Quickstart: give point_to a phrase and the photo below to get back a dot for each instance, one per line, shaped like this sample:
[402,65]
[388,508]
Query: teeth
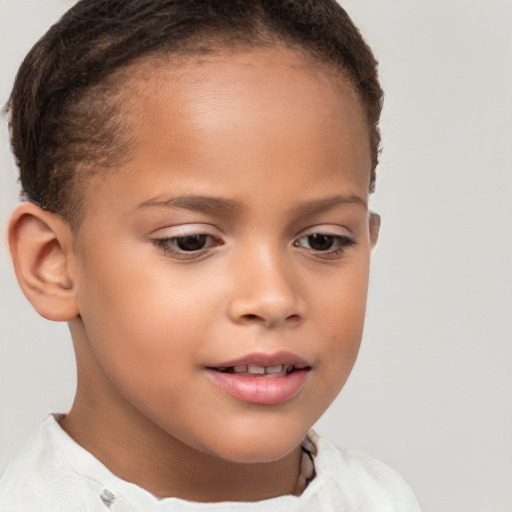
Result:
[274,369]
[252,368]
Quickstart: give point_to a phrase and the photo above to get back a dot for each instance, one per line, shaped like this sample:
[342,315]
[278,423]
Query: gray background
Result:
[431,392]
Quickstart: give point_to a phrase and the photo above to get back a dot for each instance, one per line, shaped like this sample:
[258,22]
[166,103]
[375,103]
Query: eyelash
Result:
[168,246]
[341,242]
[171,245]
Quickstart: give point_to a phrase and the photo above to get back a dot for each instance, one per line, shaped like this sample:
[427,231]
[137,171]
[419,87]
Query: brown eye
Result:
[191,243]
[325,245]
[191,246]
[320,242]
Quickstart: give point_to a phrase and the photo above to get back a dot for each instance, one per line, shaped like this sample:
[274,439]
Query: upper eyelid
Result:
[214,240]
[349,240]
[326,229]
[188,229]
[180,230]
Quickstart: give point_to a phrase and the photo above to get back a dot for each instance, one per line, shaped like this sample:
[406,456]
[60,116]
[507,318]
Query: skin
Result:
[282,143]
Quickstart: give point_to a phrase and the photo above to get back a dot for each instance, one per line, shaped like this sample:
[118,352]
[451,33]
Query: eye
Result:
[325,245]
[188,246]
[190,243]
[318,242]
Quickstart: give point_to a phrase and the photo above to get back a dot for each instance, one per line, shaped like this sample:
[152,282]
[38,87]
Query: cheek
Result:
[342,314]
[344,302]
[134,316]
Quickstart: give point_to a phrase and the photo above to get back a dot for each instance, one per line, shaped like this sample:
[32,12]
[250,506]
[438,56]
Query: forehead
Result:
[250,82]
[239,116]
[272,89]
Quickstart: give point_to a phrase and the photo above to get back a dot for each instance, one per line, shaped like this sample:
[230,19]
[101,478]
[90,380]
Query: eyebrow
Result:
[217,205]
[317,206]
[205,204]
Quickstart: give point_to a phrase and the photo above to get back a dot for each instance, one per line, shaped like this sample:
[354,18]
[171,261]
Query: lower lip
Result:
[260,390]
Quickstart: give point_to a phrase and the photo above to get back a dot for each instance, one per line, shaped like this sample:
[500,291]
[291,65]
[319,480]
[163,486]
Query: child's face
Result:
[238,230]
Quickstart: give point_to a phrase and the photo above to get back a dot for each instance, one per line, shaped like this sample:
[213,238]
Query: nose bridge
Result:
[267,290]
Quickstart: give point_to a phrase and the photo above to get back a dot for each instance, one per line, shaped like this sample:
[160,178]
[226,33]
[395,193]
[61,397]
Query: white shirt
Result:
[55,474]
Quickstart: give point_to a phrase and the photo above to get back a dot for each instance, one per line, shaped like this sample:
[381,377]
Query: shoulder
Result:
[362,481]
[40,479]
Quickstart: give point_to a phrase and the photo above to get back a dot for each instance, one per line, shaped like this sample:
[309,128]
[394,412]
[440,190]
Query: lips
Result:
[263,379]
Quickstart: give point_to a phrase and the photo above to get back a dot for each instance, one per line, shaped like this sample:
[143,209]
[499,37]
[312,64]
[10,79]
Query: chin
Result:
[258,448]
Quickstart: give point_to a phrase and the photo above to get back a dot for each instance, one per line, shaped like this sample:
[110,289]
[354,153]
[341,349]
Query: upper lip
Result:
[262,359]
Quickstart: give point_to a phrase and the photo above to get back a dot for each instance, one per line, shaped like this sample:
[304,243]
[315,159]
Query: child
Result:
[197,176]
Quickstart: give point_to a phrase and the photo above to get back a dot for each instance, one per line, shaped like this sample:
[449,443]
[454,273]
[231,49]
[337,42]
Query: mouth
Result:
[280,364]
[261,379]
[254,370]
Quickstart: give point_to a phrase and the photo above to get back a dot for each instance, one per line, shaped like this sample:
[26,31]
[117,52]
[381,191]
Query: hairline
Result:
[144,66]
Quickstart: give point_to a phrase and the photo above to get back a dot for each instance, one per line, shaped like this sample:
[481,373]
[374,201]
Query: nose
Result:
[266,292]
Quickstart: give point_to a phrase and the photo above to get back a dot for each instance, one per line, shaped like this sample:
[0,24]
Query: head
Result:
[197,176]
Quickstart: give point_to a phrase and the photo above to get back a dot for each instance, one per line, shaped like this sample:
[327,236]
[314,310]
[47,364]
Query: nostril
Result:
[251,317]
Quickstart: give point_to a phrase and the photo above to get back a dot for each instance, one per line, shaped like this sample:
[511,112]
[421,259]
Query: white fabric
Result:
[55,474]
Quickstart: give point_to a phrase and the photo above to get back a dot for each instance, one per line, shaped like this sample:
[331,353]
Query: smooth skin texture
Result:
[258,152]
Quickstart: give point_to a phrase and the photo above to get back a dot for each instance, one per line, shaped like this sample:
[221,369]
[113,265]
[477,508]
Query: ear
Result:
[374,224]
[41,249]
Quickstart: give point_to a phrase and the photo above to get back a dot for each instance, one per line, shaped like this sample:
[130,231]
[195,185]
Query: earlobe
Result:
[374,221]
[41,249]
